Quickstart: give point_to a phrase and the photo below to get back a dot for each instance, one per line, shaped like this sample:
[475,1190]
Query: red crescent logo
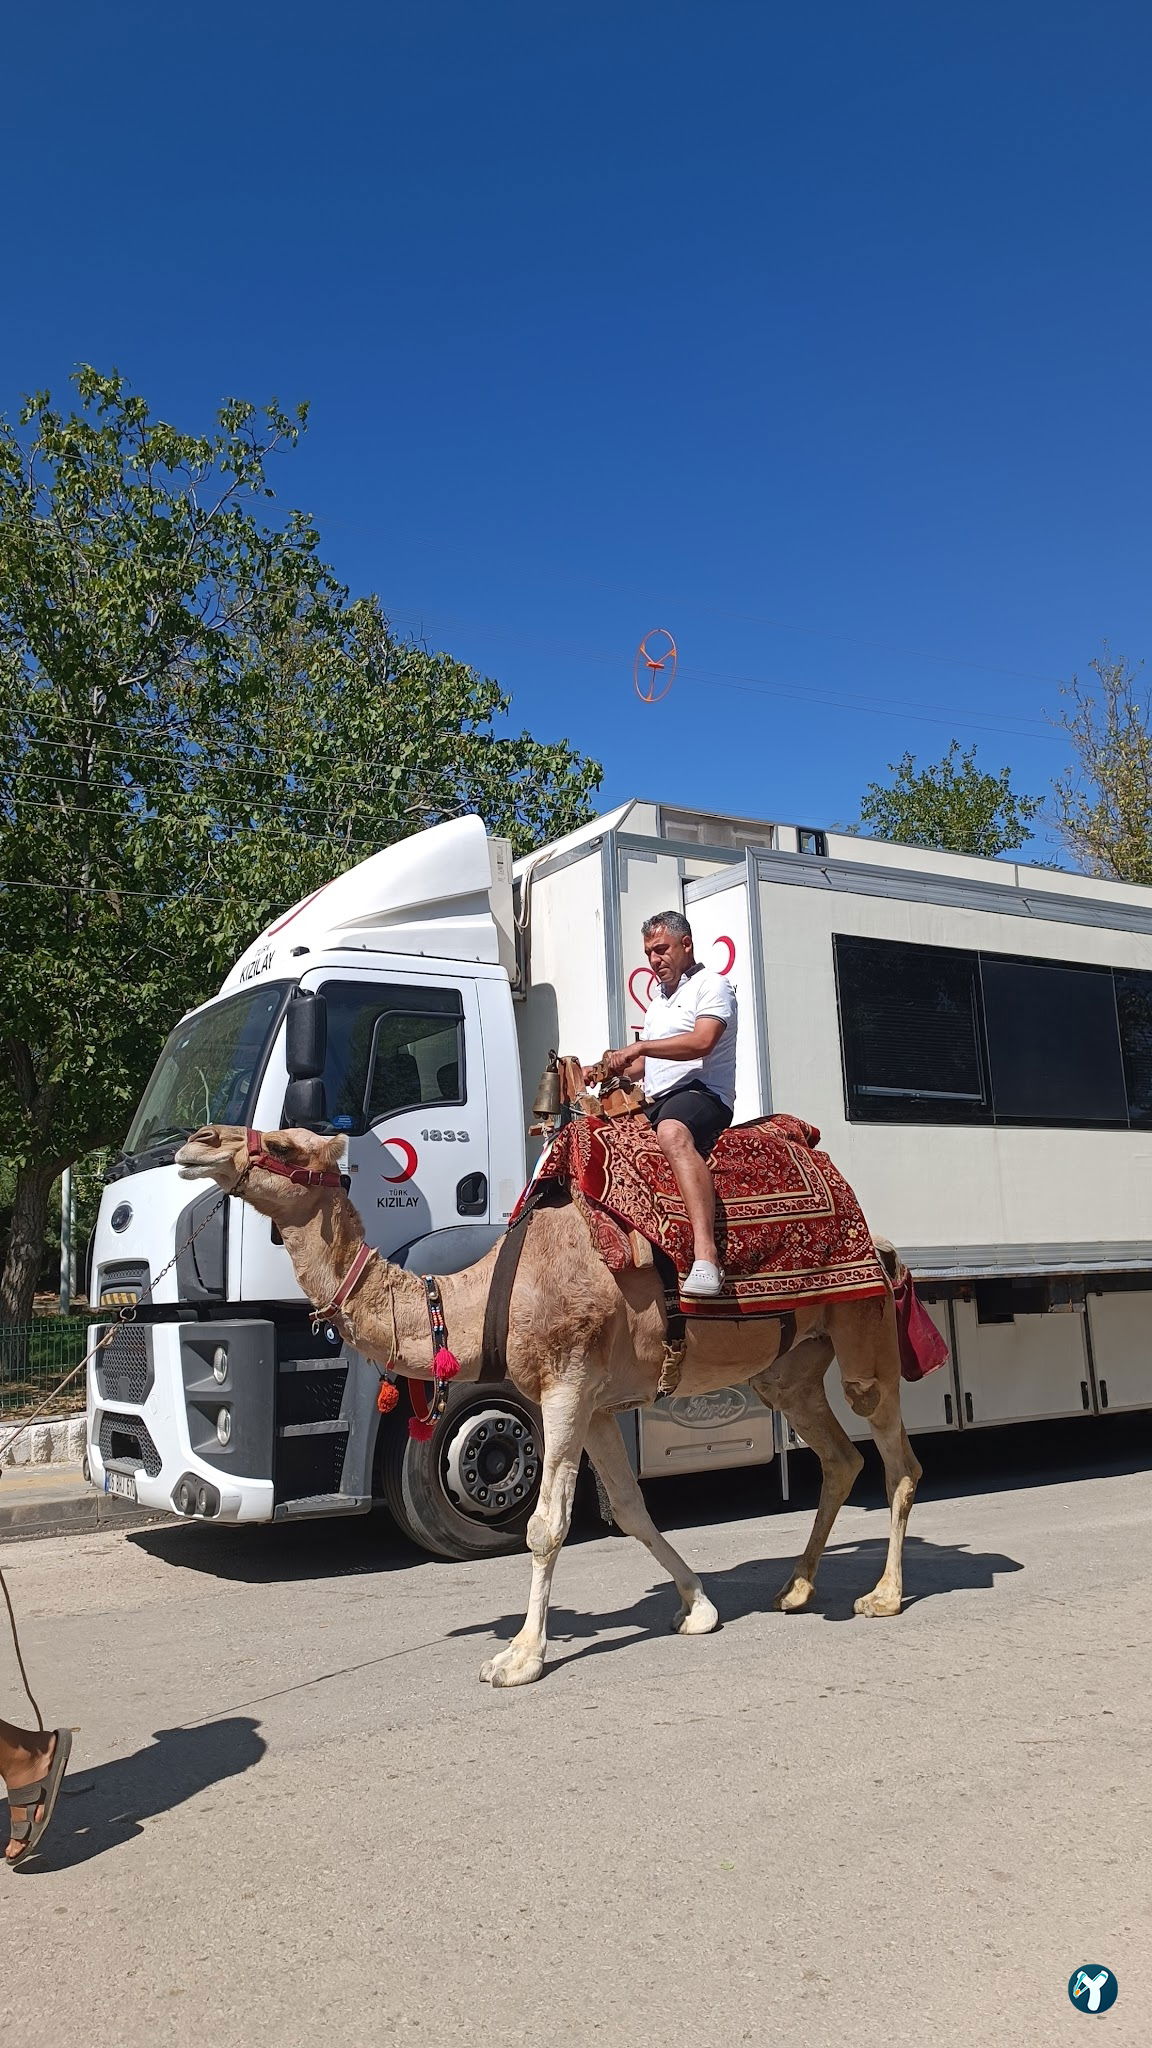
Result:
[730,963]
[410,1159]
[641,974]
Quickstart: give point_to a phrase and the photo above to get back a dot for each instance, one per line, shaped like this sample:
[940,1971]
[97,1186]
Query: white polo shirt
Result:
[702,994]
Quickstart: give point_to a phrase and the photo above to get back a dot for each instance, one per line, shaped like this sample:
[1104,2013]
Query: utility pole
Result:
[66,1234]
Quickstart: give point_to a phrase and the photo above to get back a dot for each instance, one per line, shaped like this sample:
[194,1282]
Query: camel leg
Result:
[902,1472]
[864,1335]
[840,1462]
[565,1418]
[697,1616]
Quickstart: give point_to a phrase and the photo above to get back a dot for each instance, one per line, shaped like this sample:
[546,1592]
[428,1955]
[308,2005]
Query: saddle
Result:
[790,1230]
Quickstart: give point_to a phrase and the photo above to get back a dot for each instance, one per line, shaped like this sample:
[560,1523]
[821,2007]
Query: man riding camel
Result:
[691,1082]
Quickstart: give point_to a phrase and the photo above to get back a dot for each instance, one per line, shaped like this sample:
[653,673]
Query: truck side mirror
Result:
[304,1104]
[306,1036]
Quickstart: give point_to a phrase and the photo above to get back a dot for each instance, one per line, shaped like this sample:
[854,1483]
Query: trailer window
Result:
[1134,1010]
[931,1034]
[390,1048]
[910,1025]
[1053,1043]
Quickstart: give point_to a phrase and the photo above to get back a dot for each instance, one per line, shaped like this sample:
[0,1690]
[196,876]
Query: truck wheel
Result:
[470,1490]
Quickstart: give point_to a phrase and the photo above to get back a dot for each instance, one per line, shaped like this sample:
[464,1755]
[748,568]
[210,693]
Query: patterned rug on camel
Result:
[789,1228]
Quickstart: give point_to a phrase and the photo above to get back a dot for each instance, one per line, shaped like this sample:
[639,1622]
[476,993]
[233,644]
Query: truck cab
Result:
[381,1010]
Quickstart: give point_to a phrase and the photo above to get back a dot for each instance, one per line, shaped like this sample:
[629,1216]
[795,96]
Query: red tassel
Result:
[420,1431]
[387,1397]
[445,1365]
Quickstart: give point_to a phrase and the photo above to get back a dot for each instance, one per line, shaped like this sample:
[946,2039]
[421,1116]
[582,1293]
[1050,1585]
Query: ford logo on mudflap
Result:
[707,1411]
[122,1216]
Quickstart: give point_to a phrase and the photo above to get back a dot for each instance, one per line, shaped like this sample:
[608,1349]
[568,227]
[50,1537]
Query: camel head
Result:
[282,1173]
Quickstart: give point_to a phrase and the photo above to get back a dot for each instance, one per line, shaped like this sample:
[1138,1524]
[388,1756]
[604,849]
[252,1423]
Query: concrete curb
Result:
[63,1504]
[46,1443]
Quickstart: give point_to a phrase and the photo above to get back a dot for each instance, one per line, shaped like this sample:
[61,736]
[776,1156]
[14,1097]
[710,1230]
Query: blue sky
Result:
[820,337]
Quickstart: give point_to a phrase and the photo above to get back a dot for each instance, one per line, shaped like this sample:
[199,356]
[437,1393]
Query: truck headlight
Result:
[224,1425]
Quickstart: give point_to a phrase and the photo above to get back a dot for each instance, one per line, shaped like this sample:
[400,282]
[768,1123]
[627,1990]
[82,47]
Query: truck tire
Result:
[470,1490]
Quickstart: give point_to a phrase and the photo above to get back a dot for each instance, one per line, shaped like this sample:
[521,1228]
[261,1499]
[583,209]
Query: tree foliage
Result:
[950,805]
[198,725]
[1104,802]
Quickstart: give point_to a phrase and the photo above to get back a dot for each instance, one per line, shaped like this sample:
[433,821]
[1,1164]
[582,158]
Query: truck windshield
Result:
[207,1070]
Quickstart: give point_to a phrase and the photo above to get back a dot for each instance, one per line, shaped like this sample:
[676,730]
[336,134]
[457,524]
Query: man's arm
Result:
[687,1045]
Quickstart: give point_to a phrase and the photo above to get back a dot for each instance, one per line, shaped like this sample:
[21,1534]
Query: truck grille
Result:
[124,1440]
[124,1366]
[122,1283]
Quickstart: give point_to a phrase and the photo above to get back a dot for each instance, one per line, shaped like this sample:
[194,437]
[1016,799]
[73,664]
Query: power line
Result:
[1025,726]
[807,631]
[262,825]
[188,894]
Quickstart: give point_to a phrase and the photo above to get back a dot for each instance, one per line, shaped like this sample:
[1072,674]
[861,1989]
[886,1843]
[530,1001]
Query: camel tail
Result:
[891,1261]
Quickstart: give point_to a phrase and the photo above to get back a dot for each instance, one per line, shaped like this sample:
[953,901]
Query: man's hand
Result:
[620,1064]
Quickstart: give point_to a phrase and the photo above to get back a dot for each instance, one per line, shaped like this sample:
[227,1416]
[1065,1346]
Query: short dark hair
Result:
[673,922]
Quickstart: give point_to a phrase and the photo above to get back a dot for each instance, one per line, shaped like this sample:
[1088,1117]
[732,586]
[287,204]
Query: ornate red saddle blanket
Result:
[789,1227]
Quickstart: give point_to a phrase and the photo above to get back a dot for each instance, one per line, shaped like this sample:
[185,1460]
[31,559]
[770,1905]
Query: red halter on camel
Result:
[445,1365]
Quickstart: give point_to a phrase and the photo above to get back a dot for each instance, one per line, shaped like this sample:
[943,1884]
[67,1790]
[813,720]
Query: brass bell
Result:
[547,1102]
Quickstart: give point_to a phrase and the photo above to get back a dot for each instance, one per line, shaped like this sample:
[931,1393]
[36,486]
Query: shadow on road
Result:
[849,1569]
[104,1808]
[955,1467]
[274,1553]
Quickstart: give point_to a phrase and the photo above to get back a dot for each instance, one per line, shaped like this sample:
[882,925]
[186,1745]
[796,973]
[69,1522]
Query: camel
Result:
[582,1343]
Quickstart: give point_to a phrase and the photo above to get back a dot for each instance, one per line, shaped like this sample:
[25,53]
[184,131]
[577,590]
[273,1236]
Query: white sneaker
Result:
[703,1282]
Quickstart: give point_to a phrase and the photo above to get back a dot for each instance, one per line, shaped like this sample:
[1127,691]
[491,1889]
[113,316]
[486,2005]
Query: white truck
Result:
[973,1037]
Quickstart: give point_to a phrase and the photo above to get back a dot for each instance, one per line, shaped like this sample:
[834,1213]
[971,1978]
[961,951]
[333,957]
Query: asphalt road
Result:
[294,1814]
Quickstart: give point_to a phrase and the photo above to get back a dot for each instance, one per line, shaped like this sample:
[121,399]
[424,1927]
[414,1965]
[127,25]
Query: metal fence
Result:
[35,1355]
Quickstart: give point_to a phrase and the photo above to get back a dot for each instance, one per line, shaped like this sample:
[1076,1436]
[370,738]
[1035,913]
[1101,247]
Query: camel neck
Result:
[387,1315]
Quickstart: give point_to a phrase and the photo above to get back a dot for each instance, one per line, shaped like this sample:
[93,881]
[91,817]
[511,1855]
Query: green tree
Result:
[198,725]
[950,805]
[1104,801]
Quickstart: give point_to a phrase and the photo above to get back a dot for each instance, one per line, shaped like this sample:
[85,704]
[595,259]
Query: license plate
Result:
[121,1483]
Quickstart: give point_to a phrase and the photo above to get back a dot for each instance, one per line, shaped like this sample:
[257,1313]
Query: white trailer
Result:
[973,1037]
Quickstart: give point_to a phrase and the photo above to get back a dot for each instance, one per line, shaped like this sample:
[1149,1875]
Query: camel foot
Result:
[513,1666]
[794,1596]
[697,1619]
[881,1600]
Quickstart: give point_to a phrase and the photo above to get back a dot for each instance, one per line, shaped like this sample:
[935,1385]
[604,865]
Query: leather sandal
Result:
[44,1792]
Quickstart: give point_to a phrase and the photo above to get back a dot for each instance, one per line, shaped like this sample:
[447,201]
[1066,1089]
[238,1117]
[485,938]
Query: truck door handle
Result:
[472,1194]
[1103,1384]
[948,1409]
[968,1406]
[1085,1396]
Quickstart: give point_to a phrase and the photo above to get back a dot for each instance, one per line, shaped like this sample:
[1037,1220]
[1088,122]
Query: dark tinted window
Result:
[910,1019]
[1134,1009]
[390,1048]
[1053,1043]
[932,1034]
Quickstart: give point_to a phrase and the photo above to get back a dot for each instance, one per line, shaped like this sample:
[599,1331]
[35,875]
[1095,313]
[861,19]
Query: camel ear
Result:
[329,1155]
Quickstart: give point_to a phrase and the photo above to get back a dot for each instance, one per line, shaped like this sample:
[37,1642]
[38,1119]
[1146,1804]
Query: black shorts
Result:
[691,1103]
